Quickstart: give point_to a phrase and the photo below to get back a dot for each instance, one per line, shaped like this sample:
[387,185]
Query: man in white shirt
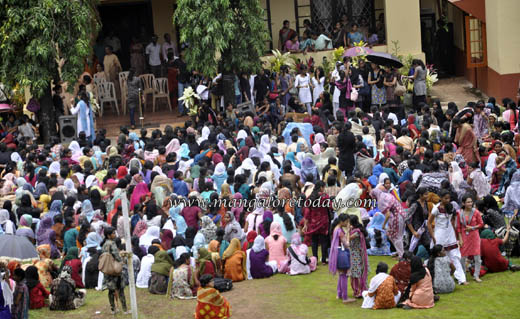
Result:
[168,44]
[153,55]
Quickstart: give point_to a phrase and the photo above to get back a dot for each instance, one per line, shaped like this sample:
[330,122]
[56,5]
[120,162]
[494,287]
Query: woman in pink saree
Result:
[139,190]
[394,217]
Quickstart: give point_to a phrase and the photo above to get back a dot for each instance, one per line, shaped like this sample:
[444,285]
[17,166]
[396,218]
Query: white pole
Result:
[128,243]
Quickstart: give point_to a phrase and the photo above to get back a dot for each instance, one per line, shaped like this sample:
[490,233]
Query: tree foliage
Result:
[229,32]
[35,35]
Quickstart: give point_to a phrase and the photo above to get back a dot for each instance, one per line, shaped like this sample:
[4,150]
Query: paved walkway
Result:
[456,90]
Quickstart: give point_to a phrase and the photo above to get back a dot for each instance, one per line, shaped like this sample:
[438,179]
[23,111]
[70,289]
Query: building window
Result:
[323,14]
[476,46]
[266,4]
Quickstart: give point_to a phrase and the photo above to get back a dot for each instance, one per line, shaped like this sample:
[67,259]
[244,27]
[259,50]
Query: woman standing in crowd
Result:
[419,83]
[469,222]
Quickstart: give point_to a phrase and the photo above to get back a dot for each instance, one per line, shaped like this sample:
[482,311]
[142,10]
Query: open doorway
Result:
[126,20]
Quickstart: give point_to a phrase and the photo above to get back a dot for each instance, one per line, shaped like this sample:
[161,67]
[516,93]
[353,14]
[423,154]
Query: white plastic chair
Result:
[97,81]
[161,91]
[123,77]
[148,85]
[107,94]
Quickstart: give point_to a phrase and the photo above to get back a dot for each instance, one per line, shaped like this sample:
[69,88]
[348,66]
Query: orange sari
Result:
[210,305]
[235,262]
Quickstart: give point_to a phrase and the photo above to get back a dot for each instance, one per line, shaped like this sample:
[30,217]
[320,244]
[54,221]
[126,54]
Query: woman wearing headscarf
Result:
[275,244]
[91,276]
[76,151]
[93,240]
[6,225]
[139,190]
[390,147]
[150,234]
[180,223]
[219,176]
[72,260]
[45,235]
[87,210]
[379,245]
[318,139]
[299,263]
[265,226]
[69,239]
[394,217]
[140,228]
[160,272]
[421,288]
[204,264]
[64,295]
[145,271]
[55,209]
[233,228]
[235,262]
[309,171]
[208,229]
[25,229]
[258,263]
[166,239]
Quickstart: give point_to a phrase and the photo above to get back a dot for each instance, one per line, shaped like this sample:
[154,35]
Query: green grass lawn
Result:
[314,296]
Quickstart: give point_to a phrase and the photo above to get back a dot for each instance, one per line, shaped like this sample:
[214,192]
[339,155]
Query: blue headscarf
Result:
[55,208]
[377,221]
[180,223]
[87,210]
[291,156]
[93,240]
[184,151]
[138,144]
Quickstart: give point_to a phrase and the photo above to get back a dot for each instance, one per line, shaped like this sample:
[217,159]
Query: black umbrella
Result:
[385,59]
[19,247]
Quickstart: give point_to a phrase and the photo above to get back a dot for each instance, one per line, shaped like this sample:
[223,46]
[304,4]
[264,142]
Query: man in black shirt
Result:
[262,85]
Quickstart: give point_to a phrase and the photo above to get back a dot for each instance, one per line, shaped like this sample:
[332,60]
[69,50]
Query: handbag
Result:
[399,90]
[365,89]
[109,266]
[343,258]
[354,94]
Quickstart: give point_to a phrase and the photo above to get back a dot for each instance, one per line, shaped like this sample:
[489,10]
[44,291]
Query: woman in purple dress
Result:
[260,266]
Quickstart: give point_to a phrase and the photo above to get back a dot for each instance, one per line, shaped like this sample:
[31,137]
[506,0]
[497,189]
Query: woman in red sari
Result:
[467,141]
[414,132]
[316,220]
[210,303]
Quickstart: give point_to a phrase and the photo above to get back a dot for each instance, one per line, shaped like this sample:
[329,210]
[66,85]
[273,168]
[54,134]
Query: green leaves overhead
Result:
[36,34]
[217,33]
